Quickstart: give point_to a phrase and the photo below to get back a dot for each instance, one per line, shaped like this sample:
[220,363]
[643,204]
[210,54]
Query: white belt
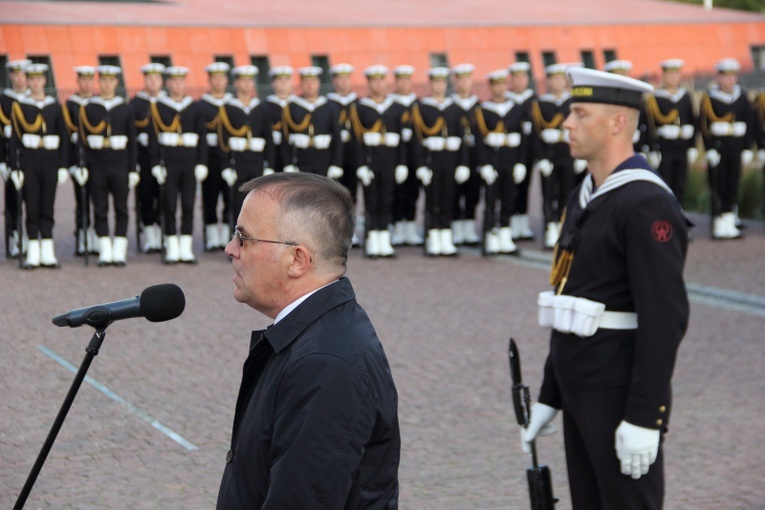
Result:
[580,316]
[321,142]
[240,144]
[553,136]
[737,129]
[48,142]
[497,140]
[668,132]
[377,139]
[143,139]
[439,143]
[687,131]
[178,139]
[116,142]
[212,139]
[7,131]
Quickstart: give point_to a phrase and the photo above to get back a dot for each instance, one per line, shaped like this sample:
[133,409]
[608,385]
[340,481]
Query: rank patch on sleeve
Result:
[662,231]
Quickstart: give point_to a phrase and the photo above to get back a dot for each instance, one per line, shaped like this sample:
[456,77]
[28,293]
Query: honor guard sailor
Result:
[672,126]
[281,86]
[108,141]
[244,131]
[405,195]
[441,159]
[15,240]
[178,152]
[556,166]
[216,233]
[311,130]
[342,97]
[39,158]
[85,236]
[524,96]
[619,307]
[502,148]
[148,189]
[725,121]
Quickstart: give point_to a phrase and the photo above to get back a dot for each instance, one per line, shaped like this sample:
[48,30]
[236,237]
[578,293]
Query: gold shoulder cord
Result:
[480,121]
[406,116]
[5,121]
[20,122]
[655,115]
[292,127]
[562,260]
[68,119]
[708,115]
[213,124]
[358,127]
[91,129]
[225,121]
[761,109]
[140,124]
[161,127]
[541,122]
[423,130]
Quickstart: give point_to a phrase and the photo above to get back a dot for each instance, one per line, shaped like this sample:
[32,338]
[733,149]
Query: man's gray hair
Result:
[314,211]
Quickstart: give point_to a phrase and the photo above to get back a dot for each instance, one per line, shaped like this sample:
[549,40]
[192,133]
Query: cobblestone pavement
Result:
[445,325]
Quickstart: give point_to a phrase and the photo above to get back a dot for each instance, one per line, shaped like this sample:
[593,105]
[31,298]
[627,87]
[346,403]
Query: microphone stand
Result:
[91,352]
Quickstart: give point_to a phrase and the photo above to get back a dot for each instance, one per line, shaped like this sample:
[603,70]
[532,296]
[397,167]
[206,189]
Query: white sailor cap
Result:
[403,70]
[500,75]
[618,65]
[573,64]
[248,71]
[17,65]
[278,71]
[672,64]
[727,66]
[217,67]
[554,69]
[176,71]
[310,72]
[439,73]
[462,69]
[152,68]
[591,86]
[519,67]
[36,69]
[376,71]
[341,69]
[85,70]
[109,70]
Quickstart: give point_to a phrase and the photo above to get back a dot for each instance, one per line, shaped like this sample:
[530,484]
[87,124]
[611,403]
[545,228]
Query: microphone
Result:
[157,303]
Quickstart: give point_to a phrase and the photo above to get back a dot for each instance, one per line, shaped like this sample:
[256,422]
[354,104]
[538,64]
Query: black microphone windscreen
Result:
[163,302]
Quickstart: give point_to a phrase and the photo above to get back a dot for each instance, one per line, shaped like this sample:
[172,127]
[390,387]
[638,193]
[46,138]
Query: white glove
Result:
[713,157]
[229,176]
[654,158]
[461,174]
[17,177]
[63,176]
[580,165]
[425,175]
[133,179]
[519,173]
[693,155]
[291,169]
[747,156]
[488,174]
[365,175]
[539,425]
[402,172]
[334,172]
[636,448]
[269,171]
[79,174]
[159,173]
[200,173]
[545,167]
[761,155]
[4,171]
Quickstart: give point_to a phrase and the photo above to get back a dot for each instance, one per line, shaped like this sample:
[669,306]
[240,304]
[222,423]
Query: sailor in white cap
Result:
[178,154]
[281,87]
[522,95]
[441,159]
[726,124]
[246,137]
[377,125]
[311,129]
[622,67]
[672,127]
[148,189]
[39,154]
[405,195]
[108,140]
[618,267]
[15,241]
[341,98]
[501,145]
[555,164]
[464,230]
[71,112]
[214,189]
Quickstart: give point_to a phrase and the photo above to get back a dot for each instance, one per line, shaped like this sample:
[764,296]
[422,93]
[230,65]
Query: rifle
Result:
[84,216]
[19,214]
[540,481]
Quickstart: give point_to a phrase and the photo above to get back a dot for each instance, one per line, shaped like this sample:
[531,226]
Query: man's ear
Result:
[300,263]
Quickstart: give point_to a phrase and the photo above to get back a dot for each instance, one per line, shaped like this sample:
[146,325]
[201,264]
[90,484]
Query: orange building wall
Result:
[488,48]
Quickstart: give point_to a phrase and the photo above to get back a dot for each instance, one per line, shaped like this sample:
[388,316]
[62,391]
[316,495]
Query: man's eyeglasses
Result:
[242,239]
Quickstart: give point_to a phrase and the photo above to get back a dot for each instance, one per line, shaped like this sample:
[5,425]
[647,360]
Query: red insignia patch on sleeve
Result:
[662,231]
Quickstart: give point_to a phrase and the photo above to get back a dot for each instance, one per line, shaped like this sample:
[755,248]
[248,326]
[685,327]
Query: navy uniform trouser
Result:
[40,168]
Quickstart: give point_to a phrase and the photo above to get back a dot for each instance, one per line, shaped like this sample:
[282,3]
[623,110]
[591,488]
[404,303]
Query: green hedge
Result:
[750,195]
